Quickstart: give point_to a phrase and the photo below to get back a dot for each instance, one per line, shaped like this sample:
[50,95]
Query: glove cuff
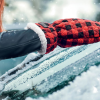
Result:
[41,35]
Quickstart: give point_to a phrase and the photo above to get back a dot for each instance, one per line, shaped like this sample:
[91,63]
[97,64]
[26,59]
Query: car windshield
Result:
[63,74]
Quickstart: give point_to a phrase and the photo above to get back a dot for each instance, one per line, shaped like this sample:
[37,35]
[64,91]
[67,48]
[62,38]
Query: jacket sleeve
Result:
[18,43]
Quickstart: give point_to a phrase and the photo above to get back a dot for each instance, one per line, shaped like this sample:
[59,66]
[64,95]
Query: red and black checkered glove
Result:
[73,32]
[68,33]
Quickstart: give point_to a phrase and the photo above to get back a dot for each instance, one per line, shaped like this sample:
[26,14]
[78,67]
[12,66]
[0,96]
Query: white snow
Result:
[33,77]
[84,87]
[21,79]
[28,98]
[30,57]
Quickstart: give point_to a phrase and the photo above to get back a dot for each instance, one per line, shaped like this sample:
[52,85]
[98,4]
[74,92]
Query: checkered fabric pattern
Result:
[50,34]
[70,32]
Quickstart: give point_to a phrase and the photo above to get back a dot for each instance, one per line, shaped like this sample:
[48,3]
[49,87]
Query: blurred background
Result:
[17,13]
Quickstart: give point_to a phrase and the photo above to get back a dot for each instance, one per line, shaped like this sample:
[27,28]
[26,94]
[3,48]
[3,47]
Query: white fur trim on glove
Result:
[41,35]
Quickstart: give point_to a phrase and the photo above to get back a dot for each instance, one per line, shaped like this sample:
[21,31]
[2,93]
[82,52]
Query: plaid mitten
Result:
[66,33]
[73,32]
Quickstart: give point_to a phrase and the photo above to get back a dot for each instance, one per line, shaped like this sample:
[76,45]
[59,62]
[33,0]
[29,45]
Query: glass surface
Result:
[83,77]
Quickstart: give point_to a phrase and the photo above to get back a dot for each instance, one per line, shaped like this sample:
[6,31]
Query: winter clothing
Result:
[44,37]
[69,32]
[18,43]
[41,35]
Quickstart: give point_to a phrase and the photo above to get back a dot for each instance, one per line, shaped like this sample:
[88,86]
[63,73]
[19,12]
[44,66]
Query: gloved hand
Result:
[66,33]
[47,35]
